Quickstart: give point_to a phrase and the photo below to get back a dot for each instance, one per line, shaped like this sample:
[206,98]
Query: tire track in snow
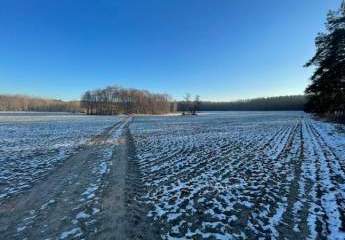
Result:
[66,209]
[331,192]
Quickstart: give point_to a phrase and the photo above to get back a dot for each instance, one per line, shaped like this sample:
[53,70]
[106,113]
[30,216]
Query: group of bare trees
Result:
[189,106]
[107,101]
[26,103]
[116,100]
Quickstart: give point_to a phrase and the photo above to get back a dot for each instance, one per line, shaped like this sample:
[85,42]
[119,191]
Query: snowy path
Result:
[32,145]
[277,175]
[76,200]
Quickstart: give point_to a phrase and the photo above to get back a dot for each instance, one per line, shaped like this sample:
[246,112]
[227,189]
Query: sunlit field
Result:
[220,175]
[243,175]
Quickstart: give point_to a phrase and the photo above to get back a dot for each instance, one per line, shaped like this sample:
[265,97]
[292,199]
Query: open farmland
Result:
[32,144]
[57,176]
[235,175]
[243,175]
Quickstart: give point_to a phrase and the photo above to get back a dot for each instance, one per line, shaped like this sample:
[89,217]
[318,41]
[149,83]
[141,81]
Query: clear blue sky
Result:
[219,49]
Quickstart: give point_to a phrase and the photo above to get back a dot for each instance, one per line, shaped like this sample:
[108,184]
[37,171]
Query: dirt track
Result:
[241,178]
[77,202]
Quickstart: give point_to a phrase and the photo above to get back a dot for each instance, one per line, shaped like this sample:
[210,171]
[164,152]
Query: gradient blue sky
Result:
[219,49]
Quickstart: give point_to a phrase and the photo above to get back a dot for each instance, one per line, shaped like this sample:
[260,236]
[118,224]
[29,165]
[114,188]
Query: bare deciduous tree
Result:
[26,103]
[196,105]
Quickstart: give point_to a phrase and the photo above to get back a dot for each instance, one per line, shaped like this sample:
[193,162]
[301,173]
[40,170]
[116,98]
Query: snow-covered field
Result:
[268,175]
[31,144]
[235,175]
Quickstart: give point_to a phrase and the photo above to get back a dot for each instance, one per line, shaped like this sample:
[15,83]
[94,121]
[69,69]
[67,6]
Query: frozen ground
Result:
[272,175]
[237,175]
[80,179]
[31,144]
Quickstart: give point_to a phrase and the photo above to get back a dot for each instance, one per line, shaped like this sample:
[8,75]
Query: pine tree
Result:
[326,93]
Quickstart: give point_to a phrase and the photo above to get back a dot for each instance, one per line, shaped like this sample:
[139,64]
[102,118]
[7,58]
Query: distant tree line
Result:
[26,103]
[283,103]
[116,100]
[326,93]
